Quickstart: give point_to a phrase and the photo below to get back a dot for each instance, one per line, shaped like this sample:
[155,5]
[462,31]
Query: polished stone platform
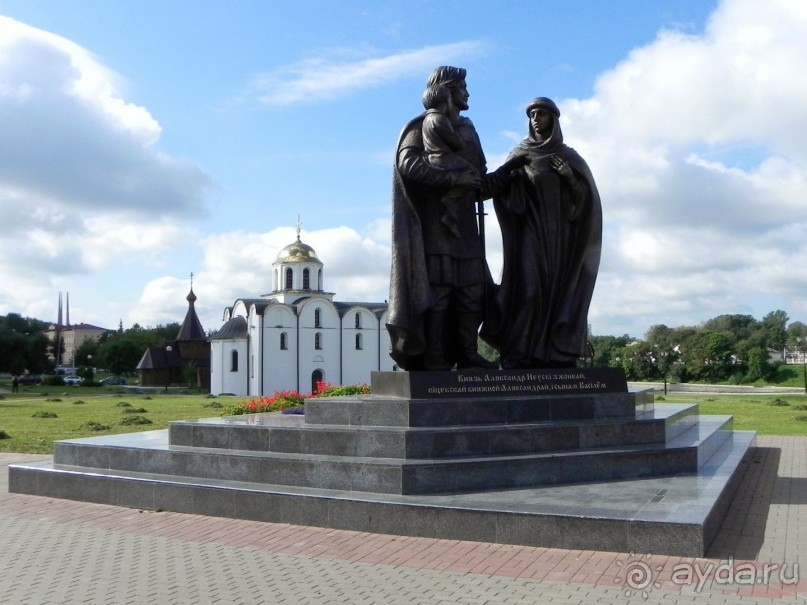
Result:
[601,471]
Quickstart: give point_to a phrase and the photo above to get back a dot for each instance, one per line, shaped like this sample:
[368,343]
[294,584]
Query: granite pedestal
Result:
[567,459]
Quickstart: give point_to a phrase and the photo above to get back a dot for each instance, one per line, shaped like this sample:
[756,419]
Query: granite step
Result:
[396,475]
[674,515]
[379,410]
[292,434]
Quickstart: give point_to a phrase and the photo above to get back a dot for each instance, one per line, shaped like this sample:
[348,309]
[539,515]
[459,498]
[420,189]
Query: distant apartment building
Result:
[66,338]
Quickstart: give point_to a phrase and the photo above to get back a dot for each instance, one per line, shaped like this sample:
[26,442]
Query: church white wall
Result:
[279,365]
[265,367]
[255,346]
[357,363]
[223,379]
[319,344]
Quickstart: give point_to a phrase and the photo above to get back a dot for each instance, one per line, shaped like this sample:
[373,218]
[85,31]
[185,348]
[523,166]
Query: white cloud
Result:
[693,229]
[332,75]
[81,177]
[238,264]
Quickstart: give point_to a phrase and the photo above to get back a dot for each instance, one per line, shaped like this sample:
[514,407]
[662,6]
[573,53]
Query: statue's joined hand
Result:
[470,179]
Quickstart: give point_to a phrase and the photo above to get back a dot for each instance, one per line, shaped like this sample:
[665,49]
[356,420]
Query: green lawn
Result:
[753,412]
[76,410]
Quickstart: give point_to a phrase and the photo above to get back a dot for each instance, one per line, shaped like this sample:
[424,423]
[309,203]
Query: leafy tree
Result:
[607,349]
[121,355]
[87,353]
[774,327]
[120,352]
[23,346]
[638,361]
[757,364]
[710,357]
[734,327]
[796,330]
[666,352]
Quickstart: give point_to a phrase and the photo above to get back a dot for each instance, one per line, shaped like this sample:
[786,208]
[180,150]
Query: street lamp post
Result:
[168,350]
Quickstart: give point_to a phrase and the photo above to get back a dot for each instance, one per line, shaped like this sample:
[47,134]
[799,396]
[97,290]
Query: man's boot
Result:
[468,332]
[434,358]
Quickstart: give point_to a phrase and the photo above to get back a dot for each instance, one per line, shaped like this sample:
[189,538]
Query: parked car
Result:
[29,379]
[74,380]
[113,380]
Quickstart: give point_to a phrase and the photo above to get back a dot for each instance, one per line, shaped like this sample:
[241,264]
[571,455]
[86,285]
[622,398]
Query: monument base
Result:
[602,471]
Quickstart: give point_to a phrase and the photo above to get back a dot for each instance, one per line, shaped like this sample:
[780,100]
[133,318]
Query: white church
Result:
[297,335]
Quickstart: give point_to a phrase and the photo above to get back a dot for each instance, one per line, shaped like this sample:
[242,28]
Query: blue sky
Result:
[147,140]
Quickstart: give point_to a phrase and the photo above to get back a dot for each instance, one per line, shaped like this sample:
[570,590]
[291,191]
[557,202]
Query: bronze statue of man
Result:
[439,275]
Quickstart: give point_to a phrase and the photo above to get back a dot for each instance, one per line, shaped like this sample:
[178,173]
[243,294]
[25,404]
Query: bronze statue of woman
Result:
[551,222]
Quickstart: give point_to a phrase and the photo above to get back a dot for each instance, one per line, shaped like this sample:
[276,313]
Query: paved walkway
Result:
[63,552]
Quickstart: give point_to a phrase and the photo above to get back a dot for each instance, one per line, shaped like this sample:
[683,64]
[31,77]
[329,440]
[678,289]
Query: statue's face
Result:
[542,121]
[459,96]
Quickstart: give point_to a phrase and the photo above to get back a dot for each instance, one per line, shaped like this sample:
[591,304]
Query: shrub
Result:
[95,426]
[131,410]
[123,404]
[53,381]
[801,407]
[135,420]
[325,389]
[778,403]
[44,415]
[53,399]
[79,402]
[213,404]
[4,435]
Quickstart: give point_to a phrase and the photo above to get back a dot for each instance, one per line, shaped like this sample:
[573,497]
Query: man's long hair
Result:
[450,76]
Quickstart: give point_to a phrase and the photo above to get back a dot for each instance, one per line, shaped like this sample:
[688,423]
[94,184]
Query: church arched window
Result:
[319,279]
[284,341]
[358,342]
[358,320]
[306,279]
[289,279]
[317,319]
[233,360]
[318,340]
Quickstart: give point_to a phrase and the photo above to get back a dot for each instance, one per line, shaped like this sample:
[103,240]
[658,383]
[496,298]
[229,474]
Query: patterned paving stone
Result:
[65,552]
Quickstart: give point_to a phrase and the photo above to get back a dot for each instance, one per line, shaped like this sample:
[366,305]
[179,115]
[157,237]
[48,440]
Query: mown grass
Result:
[80,413]
[765,414]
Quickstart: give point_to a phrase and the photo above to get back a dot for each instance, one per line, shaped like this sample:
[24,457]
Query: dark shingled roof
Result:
[191,328]
[234,328]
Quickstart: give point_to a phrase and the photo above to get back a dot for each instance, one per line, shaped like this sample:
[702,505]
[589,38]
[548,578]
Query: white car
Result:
[74,380]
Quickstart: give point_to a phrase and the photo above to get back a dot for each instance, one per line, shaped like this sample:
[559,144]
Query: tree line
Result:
[733,348]
[24,347]
[121,351]
[736,348]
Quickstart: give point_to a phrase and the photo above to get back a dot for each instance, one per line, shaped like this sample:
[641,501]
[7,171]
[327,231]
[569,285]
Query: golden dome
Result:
[298,252]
